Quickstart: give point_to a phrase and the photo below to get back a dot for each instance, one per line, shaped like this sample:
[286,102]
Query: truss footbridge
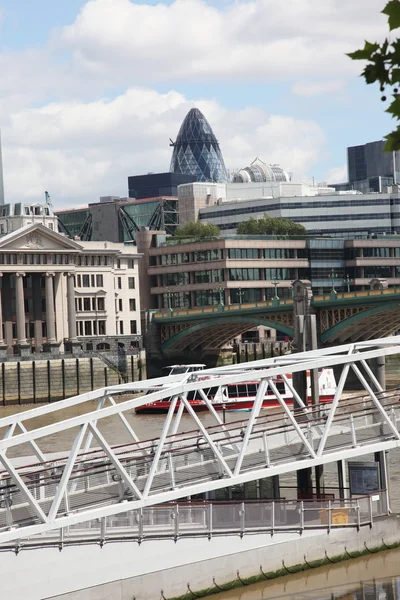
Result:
[93,478]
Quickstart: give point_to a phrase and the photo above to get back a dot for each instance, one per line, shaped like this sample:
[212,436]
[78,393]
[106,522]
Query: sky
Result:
[92,91]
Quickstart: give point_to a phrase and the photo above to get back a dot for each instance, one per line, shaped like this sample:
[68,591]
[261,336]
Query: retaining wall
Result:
[126,571]
[27,382]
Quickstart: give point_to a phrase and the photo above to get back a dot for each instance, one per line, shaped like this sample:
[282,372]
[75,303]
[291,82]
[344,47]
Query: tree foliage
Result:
[196,229]
[383,67]
[270,226]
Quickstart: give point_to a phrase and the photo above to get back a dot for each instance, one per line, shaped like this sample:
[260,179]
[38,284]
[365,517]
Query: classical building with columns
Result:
[61,295]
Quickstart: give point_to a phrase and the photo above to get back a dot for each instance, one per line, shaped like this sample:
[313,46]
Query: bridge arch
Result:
[219,331]
[384,319]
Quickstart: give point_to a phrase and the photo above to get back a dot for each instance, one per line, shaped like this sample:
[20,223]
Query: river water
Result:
[374,577]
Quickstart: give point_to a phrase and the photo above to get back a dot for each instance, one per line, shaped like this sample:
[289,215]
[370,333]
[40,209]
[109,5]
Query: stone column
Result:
[7,313]
[20,308]
[22,346]
[37,310]
[73,343]
[50,315]
[51,345]
[3,346]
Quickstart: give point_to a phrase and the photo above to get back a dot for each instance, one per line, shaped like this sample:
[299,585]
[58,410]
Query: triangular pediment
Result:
[39,238]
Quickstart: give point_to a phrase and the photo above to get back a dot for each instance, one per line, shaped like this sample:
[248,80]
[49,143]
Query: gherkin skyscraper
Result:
[196,150]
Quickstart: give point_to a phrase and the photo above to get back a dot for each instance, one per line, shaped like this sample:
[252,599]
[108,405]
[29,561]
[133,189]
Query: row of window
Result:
[214,297]
[96,327]
[233,253]
[259,208]
[239,274]
[90,304]
[63,259]
[89,280]
[132,304]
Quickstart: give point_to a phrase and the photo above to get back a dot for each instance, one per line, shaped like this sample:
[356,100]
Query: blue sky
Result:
[92,91]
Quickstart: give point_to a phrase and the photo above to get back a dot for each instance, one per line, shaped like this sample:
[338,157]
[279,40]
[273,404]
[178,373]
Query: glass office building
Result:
[196,150]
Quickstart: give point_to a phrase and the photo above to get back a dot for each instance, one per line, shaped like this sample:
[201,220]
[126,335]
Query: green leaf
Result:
[370,73]
[393,141]
[365,53]
[392,10]
[394,108]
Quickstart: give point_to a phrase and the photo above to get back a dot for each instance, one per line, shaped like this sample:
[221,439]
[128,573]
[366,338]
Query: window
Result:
[2,228]
[92,281]
[118,263]
[133,327]
[243,253]
[131,283]
[278,253]
[102,327]
[100,304]
[85,280]
[78,281]
[86,304]
[119,282]
[120,304]
[99,280]
[132,304]
[208,276]
[174,279]
[131,263]
[244,274]
[121,327]
[88,327]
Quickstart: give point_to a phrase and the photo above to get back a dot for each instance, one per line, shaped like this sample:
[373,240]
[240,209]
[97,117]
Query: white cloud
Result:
[190,39]
[79,151]
[337,175]
[304,88]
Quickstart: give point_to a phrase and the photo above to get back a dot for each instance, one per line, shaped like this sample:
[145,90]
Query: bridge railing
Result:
[222,308]
[196,519]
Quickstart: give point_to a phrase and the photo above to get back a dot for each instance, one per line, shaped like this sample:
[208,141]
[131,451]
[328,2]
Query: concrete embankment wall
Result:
[26,382]
[123,571]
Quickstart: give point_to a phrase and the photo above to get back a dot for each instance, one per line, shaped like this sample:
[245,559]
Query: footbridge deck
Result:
[97,479]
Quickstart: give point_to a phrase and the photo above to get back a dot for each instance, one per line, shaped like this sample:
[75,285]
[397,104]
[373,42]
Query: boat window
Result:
[232,391]
[242,390]
[252,389]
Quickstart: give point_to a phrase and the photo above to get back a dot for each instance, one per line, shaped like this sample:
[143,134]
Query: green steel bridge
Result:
[341,317]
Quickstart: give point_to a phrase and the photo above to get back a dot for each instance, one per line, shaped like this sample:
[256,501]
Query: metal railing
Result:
[198,519]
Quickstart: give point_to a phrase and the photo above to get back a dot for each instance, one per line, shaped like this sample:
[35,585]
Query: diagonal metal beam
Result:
[249,428]
[115,461]
[160,446]
[207,436]
[292,419]
[332,410]
[23,488]
[69,465]
[375,400]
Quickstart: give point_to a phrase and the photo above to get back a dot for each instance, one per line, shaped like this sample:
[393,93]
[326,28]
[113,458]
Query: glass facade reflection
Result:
[196,150]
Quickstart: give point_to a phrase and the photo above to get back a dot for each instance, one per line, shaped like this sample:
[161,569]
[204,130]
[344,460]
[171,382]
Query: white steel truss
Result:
[96,479]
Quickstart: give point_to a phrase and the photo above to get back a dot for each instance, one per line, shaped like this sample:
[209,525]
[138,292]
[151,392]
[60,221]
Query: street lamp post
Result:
[275,283]
[220,292]
[332,277]
[240,294]
[348,282]
[169,298]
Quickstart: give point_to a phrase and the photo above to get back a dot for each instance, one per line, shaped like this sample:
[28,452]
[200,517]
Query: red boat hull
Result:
[162,406]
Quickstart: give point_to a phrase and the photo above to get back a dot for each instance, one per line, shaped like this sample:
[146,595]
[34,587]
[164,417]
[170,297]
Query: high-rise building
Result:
[196,150]
[259,172]
[370,160]
[154,185]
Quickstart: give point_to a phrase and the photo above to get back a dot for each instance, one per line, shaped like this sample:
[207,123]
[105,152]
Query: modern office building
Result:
[119,220]
[196,150]
[336,214]
[156,185]
[58,294]
[370,160]
[254,268]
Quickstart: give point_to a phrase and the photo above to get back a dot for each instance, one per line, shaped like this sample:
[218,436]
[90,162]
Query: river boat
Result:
[241,396]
